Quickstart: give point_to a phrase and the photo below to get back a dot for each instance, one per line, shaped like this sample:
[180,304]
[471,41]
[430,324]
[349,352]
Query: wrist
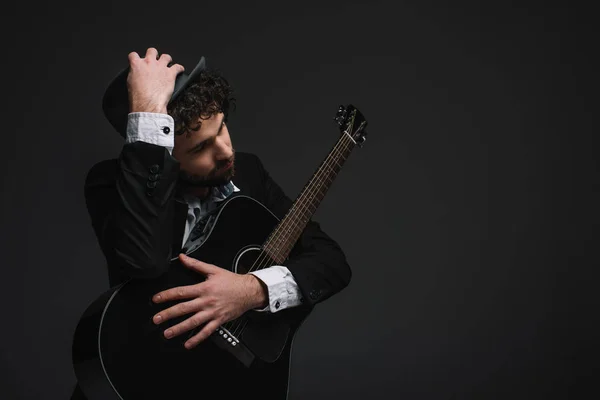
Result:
[147,107]
[259,294]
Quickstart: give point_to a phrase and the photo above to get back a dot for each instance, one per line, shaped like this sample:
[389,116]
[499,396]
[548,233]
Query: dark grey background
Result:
[461,216]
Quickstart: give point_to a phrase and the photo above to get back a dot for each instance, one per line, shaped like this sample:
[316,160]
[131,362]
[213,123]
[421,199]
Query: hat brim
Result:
[115,102]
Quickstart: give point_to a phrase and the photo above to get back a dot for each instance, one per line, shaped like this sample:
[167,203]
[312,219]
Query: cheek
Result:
[189,162]
[197,163]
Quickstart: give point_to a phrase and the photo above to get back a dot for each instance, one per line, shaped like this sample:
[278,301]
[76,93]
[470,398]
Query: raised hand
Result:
[151,81]
[222,297]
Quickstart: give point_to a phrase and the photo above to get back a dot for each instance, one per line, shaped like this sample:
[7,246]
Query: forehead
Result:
[195,139]
[200,126]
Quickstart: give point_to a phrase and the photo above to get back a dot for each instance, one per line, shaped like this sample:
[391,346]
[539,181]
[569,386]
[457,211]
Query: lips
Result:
[227,166]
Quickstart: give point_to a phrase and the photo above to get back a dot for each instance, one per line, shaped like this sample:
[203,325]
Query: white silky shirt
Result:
[147,127]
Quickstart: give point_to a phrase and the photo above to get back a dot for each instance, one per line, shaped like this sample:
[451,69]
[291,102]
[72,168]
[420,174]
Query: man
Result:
[178,155]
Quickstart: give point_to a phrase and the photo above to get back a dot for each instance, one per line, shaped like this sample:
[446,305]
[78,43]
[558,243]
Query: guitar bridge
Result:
[227,341]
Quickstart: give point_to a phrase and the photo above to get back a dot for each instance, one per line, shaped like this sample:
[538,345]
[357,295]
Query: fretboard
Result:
[284,236]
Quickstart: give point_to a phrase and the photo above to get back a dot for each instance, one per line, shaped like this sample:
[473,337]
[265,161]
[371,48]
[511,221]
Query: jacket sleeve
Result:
[317,262]
[131,206]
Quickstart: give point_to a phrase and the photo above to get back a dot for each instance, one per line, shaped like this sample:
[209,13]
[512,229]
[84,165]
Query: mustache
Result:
[217,176]
[221,164]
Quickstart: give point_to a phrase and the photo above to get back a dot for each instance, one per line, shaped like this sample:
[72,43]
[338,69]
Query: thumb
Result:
[197,265]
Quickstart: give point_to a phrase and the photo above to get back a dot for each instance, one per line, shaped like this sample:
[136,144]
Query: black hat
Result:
[115,102]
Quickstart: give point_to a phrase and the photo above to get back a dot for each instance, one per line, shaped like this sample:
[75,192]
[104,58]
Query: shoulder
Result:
[102,172]
[250,163]
[249,174]
[247,167]
[244,158]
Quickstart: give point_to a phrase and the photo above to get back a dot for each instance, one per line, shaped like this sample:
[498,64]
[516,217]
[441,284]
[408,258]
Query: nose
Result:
[223,150]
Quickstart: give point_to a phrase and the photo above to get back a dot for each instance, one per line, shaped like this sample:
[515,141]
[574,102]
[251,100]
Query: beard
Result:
[217,177]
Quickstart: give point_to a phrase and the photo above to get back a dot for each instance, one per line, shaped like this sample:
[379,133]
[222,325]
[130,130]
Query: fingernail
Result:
[157,297]
[157,319]
[168,333]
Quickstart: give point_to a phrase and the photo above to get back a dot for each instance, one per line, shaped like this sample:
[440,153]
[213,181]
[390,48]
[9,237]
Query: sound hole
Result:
[250,259]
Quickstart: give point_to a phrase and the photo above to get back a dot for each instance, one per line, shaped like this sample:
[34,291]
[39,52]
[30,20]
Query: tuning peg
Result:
[361,140]
[362,129]
[340,115]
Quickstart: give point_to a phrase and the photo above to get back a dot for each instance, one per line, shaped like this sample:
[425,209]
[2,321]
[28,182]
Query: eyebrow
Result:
[201,143]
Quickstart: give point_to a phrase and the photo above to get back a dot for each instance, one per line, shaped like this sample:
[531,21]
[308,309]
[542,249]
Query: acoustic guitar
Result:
[119,353]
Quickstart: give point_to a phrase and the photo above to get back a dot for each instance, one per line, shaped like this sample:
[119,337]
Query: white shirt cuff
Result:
[154,128]
[281,286]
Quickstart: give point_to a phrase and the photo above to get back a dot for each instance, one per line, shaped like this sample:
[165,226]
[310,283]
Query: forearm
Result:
[258,293]
[133,217]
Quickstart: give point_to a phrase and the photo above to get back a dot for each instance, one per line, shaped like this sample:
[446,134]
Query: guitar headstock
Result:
[351,121]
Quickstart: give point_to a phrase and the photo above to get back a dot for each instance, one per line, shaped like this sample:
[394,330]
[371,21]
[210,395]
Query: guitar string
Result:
[301,205]
[335,156]
[263,257]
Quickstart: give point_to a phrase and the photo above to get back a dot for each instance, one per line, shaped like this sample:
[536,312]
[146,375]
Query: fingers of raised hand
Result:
[151,53]
[152,56]
[203,334]
[133,56]
[190,323]
[165,59]
[177,68]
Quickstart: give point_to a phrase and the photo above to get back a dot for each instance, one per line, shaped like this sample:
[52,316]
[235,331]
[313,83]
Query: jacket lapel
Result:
[179,219]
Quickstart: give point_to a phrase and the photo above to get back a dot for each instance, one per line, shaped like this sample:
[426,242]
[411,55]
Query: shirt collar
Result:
[218,193]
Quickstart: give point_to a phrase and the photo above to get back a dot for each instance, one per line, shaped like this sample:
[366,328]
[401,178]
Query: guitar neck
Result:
[284,236]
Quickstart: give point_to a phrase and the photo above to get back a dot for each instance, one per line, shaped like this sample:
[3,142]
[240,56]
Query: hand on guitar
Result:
[222,297]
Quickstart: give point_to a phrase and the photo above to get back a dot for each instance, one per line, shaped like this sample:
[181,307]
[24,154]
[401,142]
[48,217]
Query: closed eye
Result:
[200,146]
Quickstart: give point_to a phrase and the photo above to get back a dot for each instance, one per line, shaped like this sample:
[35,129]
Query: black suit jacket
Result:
[139,219]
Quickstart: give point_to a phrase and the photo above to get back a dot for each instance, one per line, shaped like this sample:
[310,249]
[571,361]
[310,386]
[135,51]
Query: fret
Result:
[289,229]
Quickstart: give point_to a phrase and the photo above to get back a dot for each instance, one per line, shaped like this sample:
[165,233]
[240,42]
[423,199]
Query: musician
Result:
[178,153]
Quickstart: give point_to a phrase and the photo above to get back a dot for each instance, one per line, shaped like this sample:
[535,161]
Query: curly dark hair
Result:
[210,94]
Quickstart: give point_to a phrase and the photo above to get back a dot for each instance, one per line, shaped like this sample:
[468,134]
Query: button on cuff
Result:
[154,128]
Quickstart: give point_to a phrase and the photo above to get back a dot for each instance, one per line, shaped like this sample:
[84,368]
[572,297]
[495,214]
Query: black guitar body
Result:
[119,353]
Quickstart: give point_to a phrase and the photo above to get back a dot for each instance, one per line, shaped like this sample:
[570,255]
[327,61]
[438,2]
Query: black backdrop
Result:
[461,216]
